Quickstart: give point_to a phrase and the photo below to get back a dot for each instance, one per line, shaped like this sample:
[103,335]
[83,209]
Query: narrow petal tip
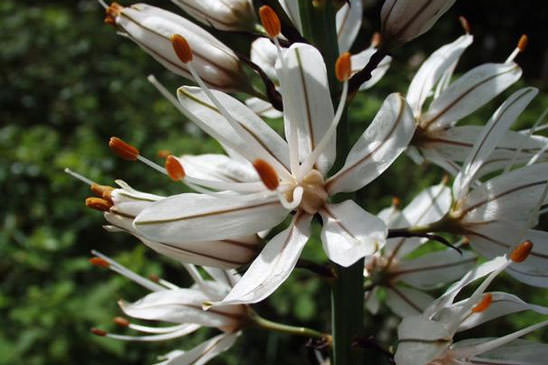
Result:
[270,21]
[521,252]
[181,47]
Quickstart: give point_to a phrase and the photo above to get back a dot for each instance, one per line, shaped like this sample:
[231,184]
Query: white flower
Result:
[404,20]
[405,279]
[294,173]
[183,307]
[151,28]
[428,338]
[229,15]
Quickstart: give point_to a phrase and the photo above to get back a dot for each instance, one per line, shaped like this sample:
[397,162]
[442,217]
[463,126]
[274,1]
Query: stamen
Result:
[376,39]
[270,21]
[153,277]
[268,175]
[465,24]
[297,198]
[123,149]
[98,332]
[181,47]
[163,153]
[121,321]
[484,304]
[174,169]
[521,252]
[98,204]
[343,67]
[99,262]
[103,191]
[77,176]
[112,12]
[396,202]
[522,44]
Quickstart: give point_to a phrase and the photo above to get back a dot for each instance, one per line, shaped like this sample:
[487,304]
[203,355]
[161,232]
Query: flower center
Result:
[314,193]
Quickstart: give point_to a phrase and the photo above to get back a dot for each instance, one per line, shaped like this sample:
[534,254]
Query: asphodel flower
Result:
[182,307]
[294,172]
[405,279]
[429,338]
[151,28]
[228,15]
[404,20]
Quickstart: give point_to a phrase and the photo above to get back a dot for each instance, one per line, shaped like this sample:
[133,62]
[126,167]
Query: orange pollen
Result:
[99,262]
[465,24]
[154,278]
[376,39]
[522,43]
[445,179]
[396,202]
[103,191]
[174,169]
[181,47]
[112,12]
[123,149]
[270,21]
[521,252]
[163,153]
[121,321]
[343,67]
[268,175]
[484,304]
[99,204]
[98,332]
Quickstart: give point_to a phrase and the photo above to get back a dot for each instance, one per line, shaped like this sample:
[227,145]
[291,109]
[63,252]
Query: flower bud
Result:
[404,20]
[230,15]
[152,28]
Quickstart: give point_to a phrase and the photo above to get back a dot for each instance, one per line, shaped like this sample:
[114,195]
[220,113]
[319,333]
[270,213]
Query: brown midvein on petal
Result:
[500,243]
[433,267]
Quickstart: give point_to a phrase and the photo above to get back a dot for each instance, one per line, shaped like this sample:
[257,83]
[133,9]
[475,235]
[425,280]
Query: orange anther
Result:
[376,39]
[99,204]
[123,149]
[99,262]
[163,153]
[181,47]
[154,278]
[521,252]
[174,168]
[103,191]
[270,21]
[112,12]
[98,332]
[396,202]
[484,304]
[268,175]
[343,67]
[121,321]
[465,24]
[522,43]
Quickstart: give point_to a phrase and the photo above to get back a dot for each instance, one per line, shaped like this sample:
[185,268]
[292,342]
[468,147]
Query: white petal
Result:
[383,141]
[291,8]
[428,206]
[263,53]
[520,352]
[198,217]
[350,233]
[307,101]
[183,306]
[261,141]
[490,136]
[360,60]
[471,91]
[432,69]
[502,304]
[405,301]
[434,269]
[273,265]
[204,352]
[218,167]
[349,21]
[263,108]
[372,301]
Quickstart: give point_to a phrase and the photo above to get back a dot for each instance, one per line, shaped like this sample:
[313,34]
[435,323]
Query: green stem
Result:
[284,328]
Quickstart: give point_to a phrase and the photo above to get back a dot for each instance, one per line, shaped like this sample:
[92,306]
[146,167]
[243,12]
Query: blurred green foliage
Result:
[69,83]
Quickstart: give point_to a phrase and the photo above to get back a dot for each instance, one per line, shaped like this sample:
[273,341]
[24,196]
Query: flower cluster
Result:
[254,206]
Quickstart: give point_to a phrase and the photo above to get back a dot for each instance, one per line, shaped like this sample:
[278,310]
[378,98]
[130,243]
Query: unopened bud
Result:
[151,28]
[98,332]
[483,304]
[123,149]
[404,20]
[99,204]
[343,67]
[270,21]
[121,321]
[99,262]
[268,175]
[174,168]
[521,252]
[229,15]
[181,48]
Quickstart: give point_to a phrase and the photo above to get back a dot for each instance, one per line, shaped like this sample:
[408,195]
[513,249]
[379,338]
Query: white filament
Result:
[77,176]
